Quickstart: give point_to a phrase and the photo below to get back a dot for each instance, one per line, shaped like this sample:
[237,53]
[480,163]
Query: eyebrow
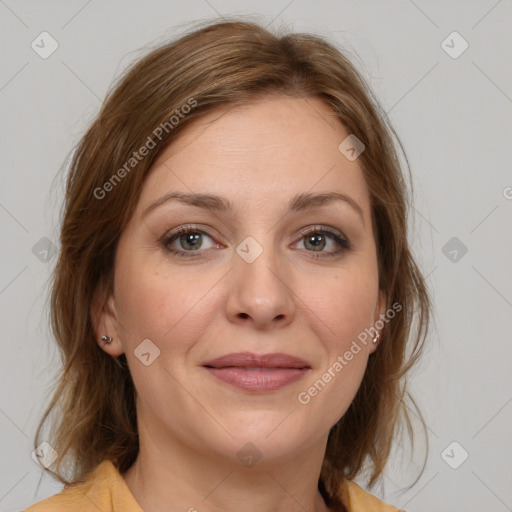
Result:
[299,202]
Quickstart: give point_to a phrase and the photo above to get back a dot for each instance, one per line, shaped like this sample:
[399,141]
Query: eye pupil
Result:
[316,241]
[194,239]
[190,239]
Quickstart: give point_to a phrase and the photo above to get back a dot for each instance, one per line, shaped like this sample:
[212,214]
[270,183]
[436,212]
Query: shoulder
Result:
[72,497]
[358,500]
[103,490]
[67,499]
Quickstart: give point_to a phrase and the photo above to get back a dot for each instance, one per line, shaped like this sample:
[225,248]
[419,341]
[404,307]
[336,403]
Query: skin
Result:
[191,424]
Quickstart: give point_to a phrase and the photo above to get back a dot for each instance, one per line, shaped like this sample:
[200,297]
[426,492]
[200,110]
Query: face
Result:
[242,289]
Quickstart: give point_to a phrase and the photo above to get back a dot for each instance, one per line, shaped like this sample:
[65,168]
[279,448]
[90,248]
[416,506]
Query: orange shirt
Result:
[106,491]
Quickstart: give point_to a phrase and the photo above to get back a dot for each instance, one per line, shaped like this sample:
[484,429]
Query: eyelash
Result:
[342,242]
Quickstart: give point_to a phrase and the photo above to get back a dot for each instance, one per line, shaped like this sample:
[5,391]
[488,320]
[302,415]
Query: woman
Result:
[235,292]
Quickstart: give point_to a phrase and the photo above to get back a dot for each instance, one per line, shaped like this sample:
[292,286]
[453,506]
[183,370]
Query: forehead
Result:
[261,152]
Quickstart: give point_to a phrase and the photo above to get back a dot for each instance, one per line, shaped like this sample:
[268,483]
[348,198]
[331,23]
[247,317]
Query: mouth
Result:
[258,373]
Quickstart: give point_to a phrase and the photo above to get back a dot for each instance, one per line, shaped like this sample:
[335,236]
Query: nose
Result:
[260,293]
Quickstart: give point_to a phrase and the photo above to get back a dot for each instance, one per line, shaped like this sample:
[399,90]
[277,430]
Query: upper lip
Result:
[249,360]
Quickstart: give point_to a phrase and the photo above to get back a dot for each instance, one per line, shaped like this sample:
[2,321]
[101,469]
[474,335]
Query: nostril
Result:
[244,315]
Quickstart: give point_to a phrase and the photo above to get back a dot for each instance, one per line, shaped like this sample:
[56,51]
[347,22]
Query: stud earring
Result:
[107,340]
[376,337]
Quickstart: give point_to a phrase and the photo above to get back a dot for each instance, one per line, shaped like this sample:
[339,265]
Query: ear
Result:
[104,321]
[379,315]
[380,308]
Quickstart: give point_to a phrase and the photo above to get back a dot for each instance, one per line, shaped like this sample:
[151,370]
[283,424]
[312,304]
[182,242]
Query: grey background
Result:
[454,118]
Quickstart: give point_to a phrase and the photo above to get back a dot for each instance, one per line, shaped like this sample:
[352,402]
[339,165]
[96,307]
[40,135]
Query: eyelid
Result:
[340,240]
[175,233]
[322,229]
[336,236]
[186,228]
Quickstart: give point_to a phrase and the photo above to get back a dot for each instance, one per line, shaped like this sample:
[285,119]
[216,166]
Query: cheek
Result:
[344,306]
[344,310]
[155,302]
[342,314]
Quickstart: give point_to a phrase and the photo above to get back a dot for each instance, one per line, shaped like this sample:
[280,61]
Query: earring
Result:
[376,337]
[107,340]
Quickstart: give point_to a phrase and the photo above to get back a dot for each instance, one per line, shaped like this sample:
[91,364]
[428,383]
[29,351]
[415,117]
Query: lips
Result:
[258,373]
[248,360]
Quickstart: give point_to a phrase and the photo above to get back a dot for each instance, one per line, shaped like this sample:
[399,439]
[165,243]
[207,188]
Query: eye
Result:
[319,241]
[317,238]
[187,239]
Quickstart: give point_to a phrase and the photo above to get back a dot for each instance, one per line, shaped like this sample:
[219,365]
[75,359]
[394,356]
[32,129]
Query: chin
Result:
[269,434]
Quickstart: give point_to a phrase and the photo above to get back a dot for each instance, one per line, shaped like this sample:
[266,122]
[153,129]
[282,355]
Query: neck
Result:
[171,476]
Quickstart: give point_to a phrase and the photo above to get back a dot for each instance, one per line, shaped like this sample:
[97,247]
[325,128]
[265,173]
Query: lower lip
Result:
[259,379]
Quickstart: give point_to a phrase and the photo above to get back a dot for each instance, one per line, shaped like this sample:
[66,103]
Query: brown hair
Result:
[224,63]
